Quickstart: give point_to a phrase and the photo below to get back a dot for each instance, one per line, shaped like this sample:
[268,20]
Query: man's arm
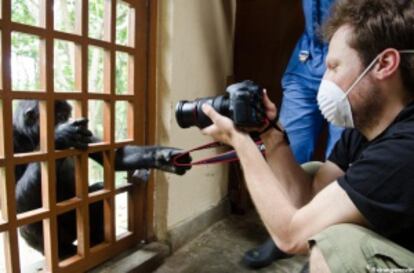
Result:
[296,182]
[300,186]
[290,226]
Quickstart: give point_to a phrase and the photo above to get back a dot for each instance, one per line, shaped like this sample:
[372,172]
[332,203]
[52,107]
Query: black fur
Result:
[70,134]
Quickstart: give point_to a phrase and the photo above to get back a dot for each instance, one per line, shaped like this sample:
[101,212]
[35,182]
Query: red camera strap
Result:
[226,157]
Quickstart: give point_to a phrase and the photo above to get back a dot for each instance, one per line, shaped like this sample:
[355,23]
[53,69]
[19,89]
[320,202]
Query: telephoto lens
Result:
[243,104]
[189,113]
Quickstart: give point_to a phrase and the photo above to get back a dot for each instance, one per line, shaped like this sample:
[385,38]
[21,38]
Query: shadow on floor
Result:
[220,248]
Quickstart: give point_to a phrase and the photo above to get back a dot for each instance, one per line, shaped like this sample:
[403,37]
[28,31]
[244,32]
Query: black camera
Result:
[243,104]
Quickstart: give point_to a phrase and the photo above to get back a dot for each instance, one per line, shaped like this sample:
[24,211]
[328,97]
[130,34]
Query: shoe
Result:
[305,268]
[263,255]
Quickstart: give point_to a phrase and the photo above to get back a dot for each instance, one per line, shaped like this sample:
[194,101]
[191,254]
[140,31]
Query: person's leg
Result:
[347,248]
[302,120]
[317,262]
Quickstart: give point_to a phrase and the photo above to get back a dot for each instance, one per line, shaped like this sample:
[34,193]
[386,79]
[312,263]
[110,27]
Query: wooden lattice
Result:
[137,49]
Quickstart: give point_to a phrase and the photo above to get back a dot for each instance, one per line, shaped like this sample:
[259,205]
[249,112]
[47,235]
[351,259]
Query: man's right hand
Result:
[270,107]
[270,111]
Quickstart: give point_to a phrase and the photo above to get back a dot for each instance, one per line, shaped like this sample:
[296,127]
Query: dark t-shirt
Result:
[379,177]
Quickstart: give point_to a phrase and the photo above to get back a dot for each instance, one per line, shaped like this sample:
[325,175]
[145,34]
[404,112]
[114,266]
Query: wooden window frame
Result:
[141,131]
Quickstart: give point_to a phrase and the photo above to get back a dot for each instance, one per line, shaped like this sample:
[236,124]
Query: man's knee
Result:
[336,249]
[317,262]
[352,248]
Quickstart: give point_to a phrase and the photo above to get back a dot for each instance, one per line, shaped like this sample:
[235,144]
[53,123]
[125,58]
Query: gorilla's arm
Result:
[29,185]
[28,188]
[132,157]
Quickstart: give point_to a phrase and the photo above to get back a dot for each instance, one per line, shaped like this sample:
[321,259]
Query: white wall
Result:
[195,57]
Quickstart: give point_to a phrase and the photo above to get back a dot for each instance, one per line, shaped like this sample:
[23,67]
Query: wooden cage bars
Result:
[136,50]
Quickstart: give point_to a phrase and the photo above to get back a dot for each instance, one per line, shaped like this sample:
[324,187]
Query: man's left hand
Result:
[222,129]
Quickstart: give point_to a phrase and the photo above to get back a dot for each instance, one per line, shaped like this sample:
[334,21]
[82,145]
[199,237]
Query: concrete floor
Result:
[220,248]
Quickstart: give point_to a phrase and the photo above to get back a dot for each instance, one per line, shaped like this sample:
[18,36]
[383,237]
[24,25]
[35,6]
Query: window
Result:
[92,54]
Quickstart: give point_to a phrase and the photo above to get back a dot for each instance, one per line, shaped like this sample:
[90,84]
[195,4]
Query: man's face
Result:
[344,66]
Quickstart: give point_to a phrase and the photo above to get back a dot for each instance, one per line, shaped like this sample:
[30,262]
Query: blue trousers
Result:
[303,121]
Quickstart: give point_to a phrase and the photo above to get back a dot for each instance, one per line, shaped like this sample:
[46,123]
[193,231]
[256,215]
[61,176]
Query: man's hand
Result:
[270,107]
[73,134]
[270,111]
[222,129]
[268,136]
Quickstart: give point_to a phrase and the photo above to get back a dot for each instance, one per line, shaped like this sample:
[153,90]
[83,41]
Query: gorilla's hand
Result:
[164,160]
[73,134]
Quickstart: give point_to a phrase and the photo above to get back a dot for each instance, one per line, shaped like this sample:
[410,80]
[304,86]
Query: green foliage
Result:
[122,23]
[121,76]
[95,69]
[65,16]
[25,62]
[64,66]
[96,174]
[120,178]
[95,115]
[25,12]
[96,19]
[121,116]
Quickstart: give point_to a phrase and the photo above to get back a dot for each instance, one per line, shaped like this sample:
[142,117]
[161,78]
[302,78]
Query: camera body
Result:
[243,104]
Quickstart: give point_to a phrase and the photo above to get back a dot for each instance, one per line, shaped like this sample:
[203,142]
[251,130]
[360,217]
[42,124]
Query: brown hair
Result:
[377,25]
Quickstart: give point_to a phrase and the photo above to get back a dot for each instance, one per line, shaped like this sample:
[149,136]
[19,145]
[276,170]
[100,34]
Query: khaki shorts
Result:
[353,249]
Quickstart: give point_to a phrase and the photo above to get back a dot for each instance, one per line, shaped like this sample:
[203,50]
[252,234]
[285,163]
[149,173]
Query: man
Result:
[357,213]
[299,113]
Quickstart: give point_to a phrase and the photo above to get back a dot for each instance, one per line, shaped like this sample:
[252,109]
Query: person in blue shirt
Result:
[299,114]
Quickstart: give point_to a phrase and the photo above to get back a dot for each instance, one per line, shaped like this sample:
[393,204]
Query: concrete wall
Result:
[195,57]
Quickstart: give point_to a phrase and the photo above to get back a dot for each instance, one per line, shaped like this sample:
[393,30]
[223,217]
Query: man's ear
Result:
[388,64]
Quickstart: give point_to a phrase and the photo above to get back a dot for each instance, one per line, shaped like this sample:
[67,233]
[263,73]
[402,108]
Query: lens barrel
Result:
[190,113]
[242,104]
[184,113]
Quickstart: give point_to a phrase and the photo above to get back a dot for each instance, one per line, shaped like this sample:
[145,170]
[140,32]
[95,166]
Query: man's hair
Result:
[377,25]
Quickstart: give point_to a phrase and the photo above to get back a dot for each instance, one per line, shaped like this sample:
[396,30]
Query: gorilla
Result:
[72,134]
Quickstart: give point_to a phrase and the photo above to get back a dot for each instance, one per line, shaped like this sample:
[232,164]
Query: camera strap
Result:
[272,124]
[227,157]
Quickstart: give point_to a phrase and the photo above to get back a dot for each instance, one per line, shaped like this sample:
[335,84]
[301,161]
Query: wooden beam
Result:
[151,102]
[11,241]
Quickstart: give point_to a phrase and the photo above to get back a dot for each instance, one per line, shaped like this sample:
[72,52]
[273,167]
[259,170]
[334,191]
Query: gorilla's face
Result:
[26,116]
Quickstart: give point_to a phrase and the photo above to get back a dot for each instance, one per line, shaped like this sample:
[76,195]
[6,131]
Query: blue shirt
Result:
[308,59]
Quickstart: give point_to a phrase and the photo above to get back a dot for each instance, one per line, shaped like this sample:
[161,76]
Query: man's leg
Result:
[317,262]
[350,248]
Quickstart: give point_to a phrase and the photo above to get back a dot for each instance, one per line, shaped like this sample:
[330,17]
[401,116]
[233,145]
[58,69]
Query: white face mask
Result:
[333,101]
